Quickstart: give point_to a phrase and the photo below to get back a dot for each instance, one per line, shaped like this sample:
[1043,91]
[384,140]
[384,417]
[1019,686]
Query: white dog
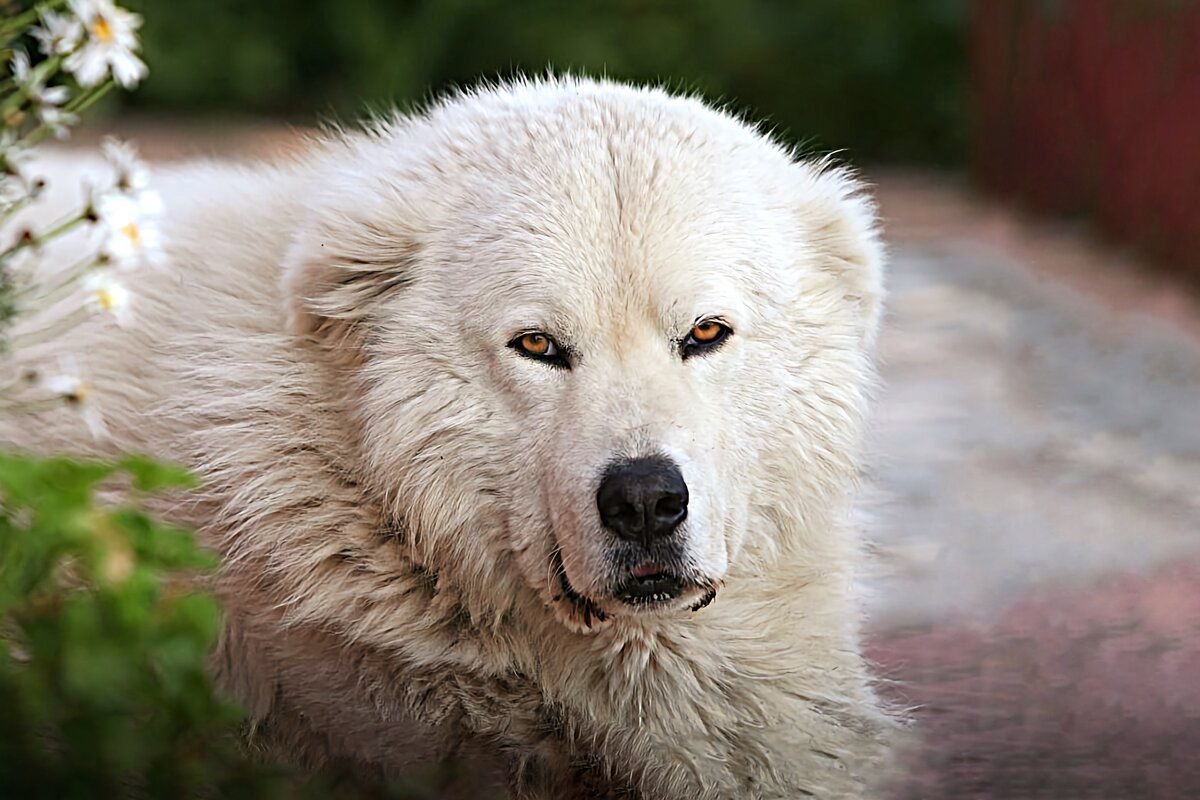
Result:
[527,427]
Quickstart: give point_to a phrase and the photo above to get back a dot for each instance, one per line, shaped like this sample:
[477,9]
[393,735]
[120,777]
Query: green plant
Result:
[104,639]
[105,628]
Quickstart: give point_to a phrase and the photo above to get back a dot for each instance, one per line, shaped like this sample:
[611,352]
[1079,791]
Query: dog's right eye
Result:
[540,347]
[706,335]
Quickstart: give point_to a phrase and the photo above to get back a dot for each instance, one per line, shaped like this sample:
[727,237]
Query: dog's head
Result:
[612,338]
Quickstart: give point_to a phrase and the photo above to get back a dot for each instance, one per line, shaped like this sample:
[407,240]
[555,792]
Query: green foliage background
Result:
[881,78]
[105,628]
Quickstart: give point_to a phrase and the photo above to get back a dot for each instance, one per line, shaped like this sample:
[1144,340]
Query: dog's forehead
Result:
[594,266]
[597,240]
[619,212]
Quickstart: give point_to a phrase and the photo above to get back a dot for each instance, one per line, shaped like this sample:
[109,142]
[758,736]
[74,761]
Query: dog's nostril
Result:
[628,515]
[669,510]
[643,499]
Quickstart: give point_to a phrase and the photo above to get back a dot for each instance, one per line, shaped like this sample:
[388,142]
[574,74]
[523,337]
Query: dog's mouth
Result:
[650,584]
[647,586]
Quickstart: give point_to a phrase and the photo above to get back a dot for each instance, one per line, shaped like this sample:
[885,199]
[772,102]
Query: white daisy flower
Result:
[12,154]
[15,185]
[12,191]
[58,121]
[20,267]
[59,34]
[35,88]
[110,45]
[108,295]
[131,227]
[20,67]
[133,177]
[70,387]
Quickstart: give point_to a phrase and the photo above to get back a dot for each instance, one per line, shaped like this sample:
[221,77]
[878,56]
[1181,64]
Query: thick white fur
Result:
[387,483]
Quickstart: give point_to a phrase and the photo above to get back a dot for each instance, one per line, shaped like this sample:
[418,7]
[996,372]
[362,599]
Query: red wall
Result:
[1094,106]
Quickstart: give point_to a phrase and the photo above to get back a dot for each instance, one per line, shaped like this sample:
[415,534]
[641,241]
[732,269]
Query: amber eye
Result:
[539,346]
[704,336]
[708,332]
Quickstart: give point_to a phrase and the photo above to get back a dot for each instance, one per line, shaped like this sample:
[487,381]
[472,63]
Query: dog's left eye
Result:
[540,347]
[705,336]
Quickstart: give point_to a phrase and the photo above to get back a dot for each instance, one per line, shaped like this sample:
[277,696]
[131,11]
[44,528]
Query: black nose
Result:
[643,499]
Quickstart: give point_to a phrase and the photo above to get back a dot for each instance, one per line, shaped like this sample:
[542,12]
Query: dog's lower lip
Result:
[648,571]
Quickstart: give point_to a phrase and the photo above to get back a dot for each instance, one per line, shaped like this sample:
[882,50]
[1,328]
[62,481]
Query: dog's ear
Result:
[344,260]
[839,222]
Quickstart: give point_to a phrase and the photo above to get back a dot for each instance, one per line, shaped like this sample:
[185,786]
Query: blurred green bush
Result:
[881,78]
[104,634]
[102,643]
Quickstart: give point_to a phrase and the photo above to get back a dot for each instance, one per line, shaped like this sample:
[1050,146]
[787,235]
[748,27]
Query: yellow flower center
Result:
[106,299]
[132,233]
[101,31]
[78,395]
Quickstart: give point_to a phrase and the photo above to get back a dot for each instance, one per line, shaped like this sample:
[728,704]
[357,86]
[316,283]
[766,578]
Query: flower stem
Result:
[76,106]
[85,100]
[63,227]
[35,298]
[37,76]
[16,207]
[51,331]
[39,133]
[18,23]
[39,238]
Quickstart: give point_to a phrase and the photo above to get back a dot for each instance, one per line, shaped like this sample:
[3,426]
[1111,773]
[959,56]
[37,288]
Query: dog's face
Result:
[624,366]
[625,351]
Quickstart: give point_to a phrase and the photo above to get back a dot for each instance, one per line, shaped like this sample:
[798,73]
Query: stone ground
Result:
[1037,426]
[1034,497]
[1036,508]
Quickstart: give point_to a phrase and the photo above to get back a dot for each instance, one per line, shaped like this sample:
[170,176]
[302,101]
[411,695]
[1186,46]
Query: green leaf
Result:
[154,476]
